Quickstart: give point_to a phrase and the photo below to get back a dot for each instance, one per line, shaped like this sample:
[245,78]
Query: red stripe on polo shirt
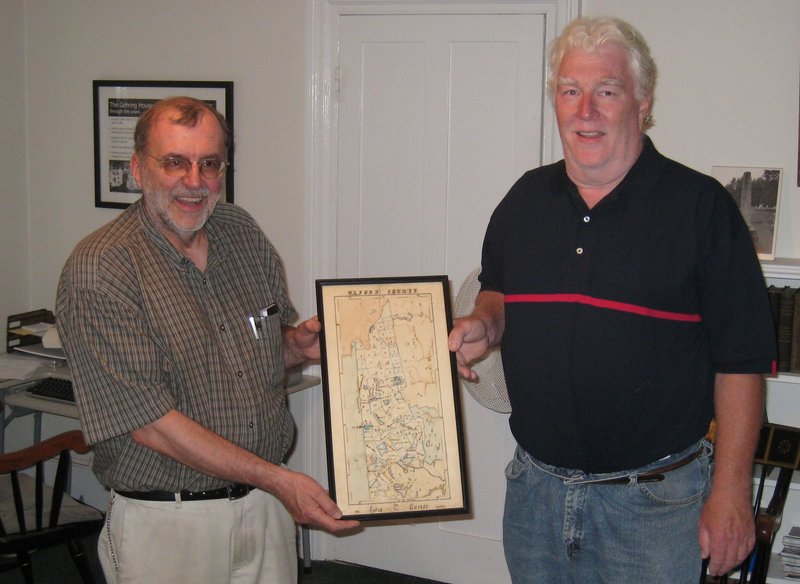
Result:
[603,303]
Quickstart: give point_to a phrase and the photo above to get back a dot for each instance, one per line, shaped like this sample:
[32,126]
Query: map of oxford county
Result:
[393,423]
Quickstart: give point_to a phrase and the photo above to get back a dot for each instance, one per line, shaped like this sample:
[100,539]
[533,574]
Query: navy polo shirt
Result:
[618,317]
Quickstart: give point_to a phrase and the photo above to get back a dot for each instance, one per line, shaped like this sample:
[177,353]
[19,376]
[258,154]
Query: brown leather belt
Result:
[651,476]
[232,492]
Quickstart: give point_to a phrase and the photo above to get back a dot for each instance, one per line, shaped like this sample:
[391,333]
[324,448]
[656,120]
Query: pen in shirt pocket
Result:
[258,324]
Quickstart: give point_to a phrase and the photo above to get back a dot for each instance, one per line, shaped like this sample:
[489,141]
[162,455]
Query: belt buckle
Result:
[230,488]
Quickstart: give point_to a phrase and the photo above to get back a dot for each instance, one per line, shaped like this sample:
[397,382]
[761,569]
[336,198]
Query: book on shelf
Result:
[785,305]
[774,293]
[794,356]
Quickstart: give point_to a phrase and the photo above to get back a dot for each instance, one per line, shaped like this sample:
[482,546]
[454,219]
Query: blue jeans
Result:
[584,533]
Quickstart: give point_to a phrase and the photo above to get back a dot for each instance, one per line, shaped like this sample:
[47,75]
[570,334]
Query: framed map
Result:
[392,412]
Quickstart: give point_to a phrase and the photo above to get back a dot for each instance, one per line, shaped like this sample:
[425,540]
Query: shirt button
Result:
[239,374]
[587,219]
[579,251]
[204,281]
[222,327]
[250,424]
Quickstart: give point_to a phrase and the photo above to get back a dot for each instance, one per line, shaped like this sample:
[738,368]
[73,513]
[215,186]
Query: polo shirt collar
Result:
[638,183]
[644,174]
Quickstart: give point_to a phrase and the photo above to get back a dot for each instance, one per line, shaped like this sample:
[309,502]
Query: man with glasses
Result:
[176,324]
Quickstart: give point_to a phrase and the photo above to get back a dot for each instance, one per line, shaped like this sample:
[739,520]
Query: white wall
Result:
[50,51]
[727,95]
[14,263]
[258,45]
[727,92]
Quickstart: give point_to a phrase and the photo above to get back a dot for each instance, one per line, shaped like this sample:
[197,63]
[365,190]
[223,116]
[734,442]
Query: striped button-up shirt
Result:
[146,332]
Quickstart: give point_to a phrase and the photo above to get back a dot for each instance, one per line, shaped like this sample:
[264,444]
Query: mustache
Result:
[182,191]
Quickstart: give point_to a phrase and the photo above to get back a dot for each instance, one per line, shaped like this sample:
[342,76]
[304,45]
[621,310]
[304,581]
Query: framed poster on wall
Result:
[392,412]
[117,106]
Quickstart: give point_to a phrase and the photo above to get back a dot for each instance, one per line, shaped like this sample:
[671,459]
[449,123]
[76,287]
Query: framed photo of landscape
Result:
[757,192]
[392,410]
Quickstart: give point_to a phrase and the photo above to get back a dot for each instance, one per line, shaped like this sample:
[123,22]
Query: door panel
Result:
[438,115]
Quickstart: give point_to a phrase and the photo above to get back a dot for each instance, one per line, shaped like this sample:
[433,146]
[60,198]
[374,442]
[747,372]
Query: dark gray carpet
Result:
[343,573]
[54,566]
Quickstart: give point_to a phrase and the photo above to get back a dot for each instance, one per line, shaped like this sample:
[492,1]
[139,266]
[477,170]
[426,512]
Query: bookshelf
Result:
[783,407]
[785,272]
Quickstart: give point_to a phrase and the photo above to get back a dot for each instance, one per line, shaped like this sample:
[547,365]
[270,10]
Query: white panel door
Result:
[438,115]
[435,116]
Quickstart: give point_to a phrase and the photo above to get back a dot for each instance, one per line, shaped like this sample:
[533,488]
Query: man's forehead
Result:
[170,123]
[602,81]
[607,65]
[175,117]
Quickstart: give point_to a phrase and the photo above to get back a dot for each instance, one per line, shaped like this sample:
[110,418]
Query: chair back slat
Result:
[19,505]
[59,486]
[39,494]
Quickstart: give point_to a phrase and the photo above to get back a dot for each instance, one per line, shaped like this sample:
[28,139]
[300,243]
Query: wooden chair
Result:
[25,500]
[778,448]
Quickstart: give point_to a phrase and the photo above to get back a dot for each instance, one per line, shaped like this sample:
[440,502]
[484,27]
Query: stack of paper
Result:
[790,554]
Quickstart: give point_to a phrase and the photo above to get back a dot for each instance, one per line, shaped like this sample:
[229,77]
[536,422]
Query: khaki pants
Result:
[251,540]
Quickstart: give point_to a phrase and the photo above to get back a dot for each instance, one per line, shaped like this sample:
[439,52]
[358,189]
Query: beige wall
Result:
[259,45]
[14,265]
[727,91]
[727,95]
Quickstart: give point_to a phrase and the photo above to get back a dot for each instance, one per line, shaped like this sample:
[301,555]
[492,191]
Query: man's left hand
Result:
[301,343]
[727,531]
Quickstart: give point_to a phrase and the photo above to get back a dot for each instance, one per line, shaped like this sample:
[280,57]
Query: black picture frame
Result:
[116,106]
[395,445]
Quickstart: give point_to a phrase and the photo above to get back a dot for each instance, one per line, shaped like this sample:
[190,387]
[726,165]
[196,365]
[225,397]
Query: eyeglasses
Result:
[178,166]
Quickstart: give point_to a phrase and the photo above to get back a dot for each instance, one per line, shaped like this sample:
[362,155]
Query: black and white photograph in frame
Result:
[757,192]
[117,106]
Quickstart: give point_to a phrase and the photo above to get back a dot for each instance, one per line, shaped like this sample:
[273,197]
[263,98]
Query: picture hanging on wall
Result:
[757,192]
[117,107]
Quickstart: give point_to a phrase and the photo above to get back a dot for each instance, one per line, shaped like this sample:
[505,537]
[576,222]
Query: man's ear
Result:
[644,111]
[136,169]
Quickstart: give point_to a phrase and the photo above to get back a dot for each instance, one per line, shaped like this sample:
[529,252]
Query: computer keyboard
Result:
[53,388]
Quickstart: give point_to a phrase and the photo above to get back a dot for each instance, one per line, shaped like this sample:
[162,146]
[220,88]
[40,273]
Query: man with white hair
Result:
[627,298]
